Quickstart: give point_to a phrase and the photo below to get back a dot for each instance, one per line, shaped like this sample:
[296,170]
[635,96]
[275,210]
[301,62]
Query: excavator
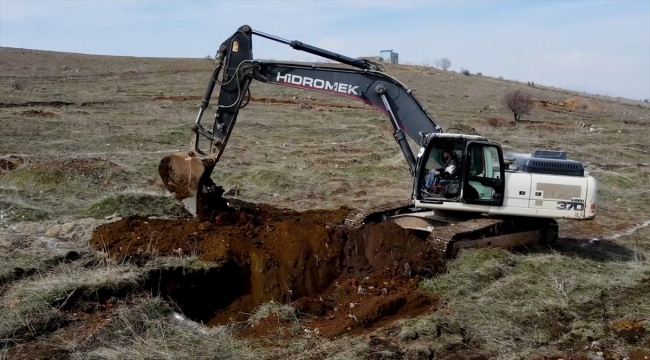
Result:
[492,199]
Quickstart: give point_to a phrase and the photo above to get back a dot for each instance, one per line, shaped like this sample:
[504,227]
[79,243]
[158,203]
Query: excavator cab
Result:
[479,175]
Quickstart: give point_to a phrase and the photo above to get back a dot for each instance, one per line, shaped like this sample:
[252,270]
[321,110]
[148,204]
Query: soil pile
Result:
[43,113]
[11,162]
[340,279]
[580,103]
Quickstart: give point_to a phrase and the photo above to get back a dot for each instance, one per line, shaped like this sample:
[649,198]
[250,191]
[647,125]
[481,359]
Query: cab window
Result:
[484,172]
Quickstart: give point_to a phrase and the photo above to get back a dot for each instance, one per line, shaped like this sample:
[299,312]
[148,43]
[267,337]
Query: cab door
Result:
[484,174]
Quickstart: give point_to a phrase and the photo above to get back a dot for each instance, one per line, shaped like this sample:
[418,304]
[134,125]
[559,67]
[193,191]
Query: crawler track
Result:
[492,232]
[358,217]
[471,233]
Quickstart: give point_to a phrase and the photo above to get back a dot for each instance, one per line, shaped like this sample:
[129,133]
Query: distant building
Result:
[389,56]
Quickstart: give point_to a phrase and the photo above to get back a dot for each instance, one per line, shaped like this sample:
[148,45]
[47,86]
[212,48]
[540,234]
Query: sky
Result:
[601,47]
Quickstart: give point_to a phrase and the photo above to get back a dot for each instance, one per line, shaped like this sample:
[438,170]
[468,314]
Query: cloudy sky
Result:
[601,47]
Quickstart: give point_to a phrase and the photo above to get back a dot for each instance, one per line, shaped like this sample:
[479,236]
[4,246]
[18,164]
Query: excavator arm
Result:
[187,175]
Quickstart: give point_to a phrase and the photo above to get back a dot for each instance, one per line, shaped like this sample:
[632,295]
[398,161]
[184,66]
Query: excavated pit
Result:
[340,279]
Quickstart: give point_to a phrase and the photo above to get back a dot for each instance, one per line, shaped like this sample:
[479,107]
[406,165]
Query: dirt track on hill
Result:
[339,279]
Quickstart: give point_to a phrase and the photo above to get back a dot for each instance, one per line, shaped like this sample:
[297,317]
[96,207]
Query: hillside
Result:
[88,235]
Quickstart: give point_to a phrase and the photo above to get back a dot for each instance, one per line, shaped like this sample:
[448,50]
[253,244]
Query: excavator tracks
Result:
[358,217]
[443,238]
[492,232]
[471,233]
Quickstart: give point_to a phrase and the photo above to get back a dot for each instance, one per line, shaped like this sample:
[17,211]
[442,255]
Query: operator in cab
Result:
[450,168]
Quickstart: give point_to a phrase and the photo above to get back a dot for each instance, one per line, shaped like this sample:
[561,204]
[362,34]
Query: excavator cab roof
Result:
[430,136]
[433,138]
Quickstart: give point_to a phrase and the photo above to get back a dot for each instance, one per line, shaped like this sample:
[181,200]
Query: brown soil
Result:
[84,317]
[42,113]
[630,330]
[85,167]
[11,162]
[93,172]
[59,103]
[594,230]
[498,122]
[585,107]
[341,280]
[580,103]
[178,97]
[307,104]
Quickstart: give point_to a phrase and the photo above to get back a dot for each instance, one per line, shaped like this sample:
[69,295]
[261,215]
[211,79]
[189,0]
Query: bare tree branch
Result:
[520,103]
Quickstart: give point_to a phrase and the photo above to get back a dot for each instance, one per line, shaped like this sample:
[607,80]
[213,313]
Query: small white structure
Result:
[389,56]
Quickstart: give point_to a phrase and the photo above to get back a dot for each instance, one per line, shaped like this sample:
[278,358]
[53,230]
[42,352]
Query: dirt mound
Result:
[90,171]
[580,103]
[60,103]
[310,104]
[498,122]
[11,162]
[41,113]
[340,279]
[570,106]
[85,166]
[178,97]
[632,331]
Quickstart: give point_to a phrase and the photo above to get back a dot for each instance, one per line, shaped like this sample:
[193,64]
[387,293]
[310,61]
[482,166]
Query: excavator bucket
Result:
[181,173]
[187,177]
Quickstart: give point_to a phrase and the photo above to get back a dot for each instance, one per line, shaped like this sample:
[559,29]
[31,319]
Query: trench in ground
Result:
[344,279]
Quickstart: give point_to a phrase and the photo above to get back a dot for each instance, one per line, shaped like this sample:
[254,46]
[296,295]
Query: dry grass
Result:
[34,306]
[508,303]
[57,107]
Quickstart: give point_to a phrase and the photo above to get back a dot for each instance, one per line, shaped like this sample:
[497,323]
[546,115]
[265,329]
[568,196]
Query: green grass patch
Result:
[12,213]
[624,179]
[372,172]
[265,180]
[70,176]
[37,179]
[177,135]
[472,271]
[133,204]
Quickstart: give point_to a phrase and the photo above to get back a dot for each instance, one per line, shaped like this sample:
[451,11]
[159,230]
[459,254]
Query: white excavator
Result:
[489,199]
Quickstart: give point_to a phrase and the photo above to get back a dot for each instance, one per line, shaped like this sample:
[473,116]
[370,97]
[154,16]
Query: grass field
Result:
[89,132]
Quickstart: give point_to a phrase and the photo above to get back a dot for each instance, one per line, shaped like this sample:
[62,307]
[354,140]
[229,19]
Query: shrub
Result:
[465,72]
[519,102]
[443,63]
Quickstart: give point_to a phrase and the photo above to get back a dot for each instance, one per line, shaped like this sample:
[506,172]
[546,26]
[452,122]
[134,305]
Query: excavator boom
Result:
[489,202]
[187,174]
